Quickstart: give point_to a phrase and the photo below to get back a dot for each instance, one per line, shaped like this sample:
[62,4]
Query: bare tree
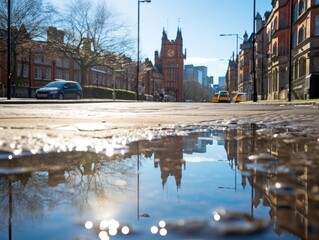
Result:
[93,35]
[195,91]
[29,20]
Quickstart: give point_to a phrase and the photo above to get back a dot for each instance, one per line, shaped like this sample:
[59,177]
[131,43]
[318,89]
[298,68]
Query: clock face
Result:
[170,52]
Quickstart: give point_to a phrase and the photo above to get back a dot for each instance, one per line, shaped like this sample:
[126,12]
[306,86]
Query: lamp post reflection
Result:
[235,184]
[145,215]
[10,210]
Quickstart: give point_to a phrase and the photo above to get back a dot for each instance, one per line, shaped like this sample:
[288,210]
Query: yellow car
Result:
[215,98]
[240,97]
[223,96]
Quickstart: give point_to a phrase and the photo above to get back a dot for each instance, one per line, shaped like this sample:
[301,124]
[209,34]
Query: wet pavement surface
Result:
[142,171]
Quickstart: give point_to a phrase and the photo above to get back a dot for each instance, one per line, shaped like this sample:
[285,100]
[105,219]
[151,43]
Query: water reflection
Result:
[225,182]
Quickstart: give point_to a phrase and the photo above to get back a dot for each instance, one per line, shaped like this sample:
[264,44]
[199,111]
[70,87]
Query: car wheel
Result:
[78,97]
[60,96]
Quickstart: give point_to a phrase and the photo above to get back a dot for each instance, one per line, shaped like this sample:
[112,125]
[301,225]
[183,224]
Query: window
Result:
[301,6]
[301,34]
[316,27]
[38,59]
[47,61]
[70,86]
[47,74]
[283,78]
[66,63]
[302,67]
[275,49]
[37,73]
[283,47]
[276,24]
[59,62]
[59,74]
[294,39]
[296,69]
[247,75]
[295,12]
[316,2]
[76,66]
[284,20]
[275,80]
[66,75]
[26,70]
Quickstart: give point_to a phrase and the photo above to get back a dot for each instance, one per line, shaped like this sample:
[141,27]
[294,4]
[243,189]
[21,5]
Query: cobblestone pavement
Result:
[60,124]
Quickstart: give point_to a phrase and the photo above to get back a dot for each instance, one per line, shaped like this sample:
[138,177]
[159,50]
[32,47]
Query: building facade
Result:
[286,53]
[171,62]
[42,63]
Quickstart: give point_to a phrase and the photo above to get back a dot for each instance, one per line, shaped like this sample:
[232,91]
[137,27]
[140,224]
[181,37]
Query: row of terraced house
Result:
[41,64]
[286,56]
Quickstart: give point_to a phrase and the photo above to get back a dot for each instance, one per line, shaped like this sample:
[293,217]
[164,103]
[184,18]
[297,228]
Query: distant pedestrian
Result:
[142,92]
[161,98]
[13,88]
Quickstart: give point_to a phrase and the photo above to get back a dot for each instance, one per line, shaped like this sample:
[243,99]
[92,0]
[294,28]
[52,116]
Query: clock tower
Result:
[171,63]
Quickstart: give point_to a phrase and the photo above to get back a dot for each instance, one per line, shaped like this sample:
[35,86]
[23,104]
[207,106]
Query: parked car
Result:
[215,98]
[60,89]
[240,97]
[223,96]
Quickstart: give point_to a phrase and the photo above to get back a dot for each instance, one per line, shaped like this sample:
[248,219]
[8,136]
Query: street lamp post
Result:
[237,57]
[253,57]
[138,44]
[290,52]
[9,53]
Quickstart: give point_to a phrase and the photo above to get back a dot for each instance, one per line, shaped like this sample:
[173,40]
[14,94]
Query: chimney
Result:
[55,35]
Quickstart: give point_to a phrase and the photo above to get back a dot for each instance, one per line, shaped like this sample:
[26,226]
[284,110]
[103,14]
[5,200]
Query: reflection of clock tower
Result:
[171,63]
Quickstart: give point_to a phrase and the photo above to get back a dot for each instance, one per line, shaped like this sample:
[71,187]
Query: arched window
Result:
[316,27]
[276,24]
[296,70]
[275,49]
[301,34]
[283,47]
[275,78]
[302,67]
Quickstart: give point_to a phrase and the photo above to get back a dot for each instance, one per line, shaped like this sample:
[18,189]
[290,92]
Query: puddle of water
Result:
[225,182]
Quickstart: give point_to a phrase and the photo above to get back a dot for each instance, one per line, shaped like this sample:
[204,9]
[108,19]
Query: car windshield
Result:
[223,94]
[54,84]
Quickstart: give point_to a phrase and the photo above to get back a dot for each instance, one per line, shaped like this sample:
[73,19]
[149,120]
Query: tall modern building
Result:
[196,73]
[222,83]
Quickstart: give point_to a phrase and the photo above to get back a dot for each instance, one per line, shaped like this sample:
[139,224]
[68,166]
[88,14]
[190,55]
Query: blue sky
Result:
[201,21]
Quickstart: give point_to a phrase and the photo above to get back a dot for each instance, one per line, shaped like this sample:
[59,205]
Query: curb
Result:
[55,101]
[283,103]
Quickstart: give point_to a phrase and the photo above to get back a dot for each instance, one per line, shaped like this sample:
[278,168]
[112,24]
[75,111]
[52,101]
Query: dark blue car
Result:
[60,89]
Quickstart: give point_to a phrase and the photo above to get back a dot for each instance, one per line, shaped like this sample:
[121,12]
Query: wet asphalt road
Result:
[22,122]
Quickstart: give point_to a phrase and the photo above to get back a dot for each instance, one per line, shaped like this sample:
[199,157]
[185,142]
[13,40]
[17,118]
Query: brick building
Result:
[287,52]
[170,61]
